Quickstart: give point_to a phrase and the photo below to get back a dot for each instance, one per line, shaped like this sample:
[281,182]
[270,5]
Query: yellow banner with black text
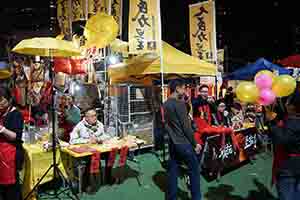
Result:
[144,27]
[202,30]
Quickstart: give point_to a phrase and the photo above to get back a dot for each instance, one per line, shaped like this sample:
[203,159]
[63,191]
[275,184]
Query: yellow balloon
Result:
[284,85]
[267,72]
[247,92]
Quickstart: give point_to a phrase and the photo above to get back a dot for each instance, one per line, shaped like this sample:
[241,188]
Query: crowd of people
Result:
[284,132]
[178,115]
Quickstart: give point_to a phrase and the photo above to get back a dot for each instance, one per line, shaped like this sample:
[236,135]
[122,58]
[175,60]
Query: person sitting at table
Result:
[221,116]
[11,154]
[69,116]
[89,130]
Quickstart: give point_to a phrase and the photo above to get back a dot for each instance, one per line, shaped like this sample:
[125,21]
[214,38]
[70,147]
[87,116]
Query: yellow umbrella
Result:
[46,46]
[100,30]
[5,74]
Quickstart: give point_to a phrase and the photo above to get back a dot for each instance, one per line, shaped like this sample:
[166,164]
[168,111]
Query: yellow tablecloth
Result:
[37,161]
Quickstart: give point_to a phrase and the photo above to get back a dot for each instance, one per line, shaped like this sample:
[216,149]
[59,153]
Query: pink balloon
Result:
[263,81]
[266,97]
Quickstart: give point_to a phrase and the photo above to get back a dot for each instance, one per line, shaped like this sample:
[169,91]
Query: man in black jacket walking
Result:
[182,146]
[287,136]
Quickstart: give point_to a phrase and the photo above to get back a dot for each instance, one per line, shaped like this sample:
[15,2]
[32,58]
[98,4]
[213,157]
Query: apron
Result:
[7,161]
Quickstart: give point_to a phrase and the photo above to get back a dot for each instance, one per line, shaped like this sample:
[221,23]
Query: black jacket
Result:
[14,122]
[289,137]
[178,122]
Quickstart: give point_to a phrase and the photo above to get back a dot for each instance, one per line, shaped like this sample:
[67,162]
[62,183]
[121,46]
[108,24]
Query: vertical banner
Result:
[203,31]
[116,12]
[77,8]
[144,34]
[95,6]
[63,16]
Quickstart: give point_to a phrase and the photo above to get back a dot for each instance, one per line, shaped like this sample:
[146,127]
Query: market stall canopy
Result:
[291,61]
[47,46]
[119,46]
[174,62]
[248,72]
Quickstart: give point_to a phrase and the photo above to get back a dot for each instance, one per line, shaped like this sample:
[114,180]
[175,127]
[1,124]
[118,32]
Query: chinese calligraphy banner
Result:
[116,12]
[95,6]
[144,31]
[63,16]
[77,9]
[202,31]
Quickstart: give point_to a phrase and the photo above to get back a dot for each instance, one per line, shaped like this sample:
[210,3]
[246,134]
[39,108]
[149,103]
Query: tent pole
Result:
[215,49]
[161,52]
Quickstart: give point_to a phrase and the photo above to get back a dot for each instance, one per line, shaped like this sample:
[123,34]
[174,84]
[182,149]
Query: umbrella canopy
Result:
[100,30]
[174,62]
[291,61]
[47,46]
[4,74]
[248,72]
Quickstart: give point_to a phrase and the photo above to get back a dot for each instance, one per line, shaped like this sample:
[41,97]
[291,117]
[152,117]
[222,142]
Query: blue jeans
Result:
[183,153]
[288,187]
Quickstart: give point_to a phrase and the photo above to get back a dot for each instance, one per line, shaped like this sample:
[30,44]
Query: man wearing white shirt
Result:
[89,130]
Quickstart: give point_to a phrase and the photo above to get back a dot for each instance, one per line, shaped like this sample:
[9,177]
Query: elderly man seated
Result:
[89,130]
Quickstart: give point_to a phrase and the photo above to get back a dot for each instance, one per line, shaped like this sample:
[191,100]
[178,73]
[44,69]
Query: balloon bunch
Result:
[265,88]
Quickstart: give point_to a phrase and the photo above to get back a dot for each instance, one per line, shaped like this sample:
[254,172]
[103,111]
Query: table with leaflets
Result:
[88,155]
[38,159]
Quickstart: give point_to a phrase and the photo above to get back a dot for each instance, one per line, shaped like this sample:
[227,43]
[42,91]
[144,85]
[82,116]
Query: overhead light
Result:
[77,87]
[113,59]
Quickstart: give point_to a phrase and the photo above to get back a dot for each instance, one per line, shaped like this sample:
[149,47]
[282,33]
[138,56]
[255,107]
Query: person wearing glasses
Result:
[89,130]
[203,107]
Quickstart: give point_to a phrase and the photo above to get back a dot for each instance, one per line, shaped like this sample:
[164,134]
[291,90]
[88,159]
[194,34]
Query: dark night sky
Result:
[250,29]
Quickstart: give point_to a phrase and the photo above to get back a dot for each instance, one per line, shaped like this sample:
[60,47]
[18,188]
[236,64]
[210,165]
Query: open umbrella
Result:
[5,74]
[291,61]
[100,30]
[248,72]
[46,46]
